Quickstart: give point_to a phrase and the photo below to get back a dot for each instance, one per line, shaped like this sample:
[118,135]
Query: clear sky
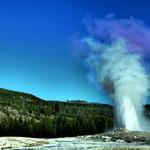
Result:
[35,35]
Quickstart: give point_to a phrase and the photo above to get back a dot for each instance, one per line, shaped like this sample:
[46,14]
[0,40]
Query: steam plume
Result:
[117,54]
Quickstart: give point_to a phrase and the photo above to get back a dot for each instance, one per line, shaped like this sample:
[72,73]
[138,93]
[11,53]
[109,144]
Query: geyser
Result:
[116,59]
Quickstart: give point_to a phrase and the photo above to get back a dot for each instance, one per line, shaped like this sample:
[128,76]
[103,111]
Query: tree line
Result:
[23,114]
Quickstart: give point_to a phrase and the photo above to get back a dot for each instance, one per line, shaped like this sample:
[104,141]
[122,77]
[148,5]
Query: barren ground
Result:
[119,139]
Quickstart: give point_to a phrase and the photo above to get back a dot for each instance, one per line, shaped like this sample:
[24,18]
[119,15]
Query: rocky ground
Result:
[118,139]
[21,142]
[122,136]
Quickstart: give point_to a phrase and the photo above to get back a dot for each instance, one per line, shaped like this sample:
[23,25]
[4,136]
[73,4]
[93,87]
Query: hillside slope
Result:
[23,114]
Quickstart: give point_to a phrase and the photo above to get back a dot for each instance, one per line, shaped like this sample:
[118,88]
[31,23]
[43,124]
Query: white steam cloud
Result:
[120,73]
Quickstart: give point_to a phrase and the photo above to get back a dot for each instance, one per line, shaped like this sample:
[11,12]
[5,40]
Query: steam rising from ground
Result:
[116,55]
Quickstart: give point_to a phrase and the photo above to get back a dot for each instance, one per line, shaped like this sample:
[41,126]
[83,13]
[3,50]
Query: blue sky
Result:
[35,35]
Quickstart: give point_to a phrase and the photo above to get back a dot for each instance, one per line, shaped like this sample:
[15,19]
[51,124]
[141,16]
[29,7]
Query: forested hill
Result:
[22,104]
[23,114]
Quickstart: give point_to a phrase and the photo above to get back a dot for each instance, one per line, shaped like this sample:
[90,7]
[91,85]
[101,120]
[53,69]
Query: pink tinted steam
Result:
[133,31]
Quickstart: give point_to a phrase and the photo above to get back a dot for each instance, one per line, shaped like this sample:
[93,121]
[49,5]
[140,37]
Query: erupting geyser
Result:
[117,53]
